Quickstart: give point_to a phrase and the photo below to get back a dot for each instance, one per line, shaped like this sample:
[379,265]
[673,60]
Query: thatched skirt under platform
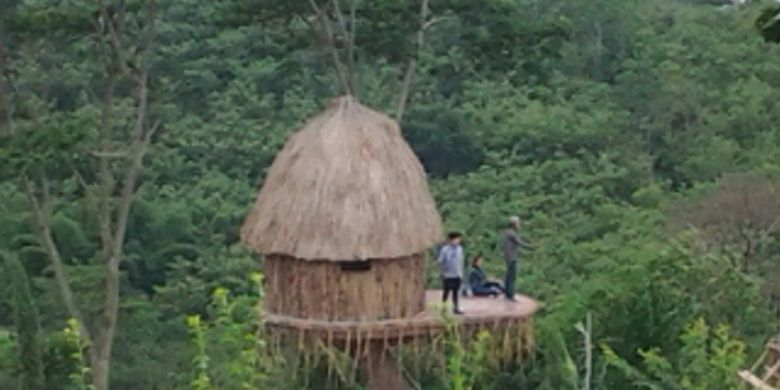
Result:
[375,290]
[479,313]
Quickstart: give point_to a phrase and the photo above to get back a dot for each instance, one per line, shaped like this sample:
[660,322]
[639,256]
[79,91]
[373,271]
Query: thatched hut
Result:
[343,219]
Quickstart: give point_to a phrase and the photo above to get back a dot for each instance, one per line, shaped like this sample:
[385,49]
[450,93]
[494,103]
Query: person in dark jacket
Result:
[511,244]
[479,283]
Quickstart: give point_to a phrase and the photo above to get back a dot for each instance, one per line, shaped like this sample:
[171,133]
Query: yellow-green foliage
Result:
[230,348]
[80,377]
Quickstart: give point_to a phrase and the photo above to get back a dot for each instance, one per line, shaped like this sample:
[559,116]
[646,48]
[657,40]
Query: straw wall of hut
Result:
[324,290]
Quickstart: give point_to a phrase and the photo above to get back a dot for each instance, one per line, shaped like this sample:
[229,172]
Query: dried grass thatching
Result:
[346,187]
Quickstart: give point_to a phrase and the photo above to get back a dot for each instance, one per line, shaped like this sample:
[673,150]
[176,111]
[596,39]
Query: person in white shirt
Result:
[451,263]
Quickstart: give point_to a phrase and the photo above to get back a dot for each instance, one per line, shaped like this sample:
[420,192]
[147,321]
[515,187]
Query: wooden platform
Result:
[479,309]
[478,312]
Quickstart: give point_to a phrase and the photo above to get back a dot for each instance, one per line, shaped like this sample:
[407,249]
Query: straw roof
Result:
[346,187]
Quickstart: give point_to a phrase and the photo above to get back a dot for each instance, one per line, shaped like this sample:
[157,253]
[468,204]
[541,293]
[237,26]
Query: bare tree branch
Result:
[351,47]
[148,38]
[104,174]
[93,200]
[41,210]
[151,132]
[411,64]
[6,106]
[349,38]
[340,18]
[587,331]
[109,23]
[431,23]
[312,29]
[120,155]
[330,38]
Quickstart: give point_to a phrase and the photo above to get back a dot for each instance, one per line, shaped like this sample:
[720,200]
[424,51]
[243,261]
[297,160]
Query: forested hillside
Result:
[639,140]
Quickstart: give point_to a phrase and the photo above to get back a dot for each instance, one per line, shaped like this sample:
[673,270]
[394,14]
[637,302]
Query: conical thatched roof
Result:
[346,187]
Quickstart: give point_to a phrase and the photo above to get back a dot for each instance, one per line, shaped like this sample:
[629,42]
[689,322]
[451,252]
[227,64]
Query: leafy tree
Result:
[47,147]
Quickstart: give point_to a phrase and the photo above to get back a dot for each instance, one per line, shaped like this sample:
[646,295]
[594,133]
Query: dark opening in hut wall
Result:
[324,290]
[356,266]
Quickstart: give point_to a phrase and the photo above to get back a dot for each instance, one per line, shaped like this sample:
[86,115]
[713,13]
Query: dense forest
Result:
[639,140]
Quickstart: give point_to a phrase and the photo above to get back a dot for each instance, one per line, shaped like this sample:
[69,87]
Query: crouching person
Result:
[479,282]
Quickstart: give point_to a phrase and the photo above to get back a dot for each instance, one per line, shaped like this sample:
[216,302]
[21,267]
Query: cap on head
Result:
[514,220]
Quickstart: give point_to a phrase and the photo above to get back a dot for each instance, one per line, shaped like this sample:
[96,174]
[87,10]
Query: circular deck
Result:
[477,312]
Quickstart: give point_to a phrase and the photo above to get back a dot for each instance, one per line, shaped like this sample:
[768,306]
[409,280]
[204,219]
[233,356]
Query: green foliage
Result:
[476,361]
[37,18]
[586,118]
[457,374]
[28,327]
[8,356]
[560,369]
[230,351]
[49,147]
[708,359]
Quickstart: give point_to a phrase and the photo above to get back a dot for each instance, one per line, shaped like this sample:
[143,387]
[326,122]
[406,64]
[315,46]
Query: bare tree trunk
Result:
[113,244]
[105,340]
[100,369]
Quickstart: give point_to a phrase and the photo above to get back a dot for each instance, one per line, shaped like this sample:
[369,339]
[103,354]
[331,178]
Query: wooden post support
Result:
[381,370]
[754,381]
